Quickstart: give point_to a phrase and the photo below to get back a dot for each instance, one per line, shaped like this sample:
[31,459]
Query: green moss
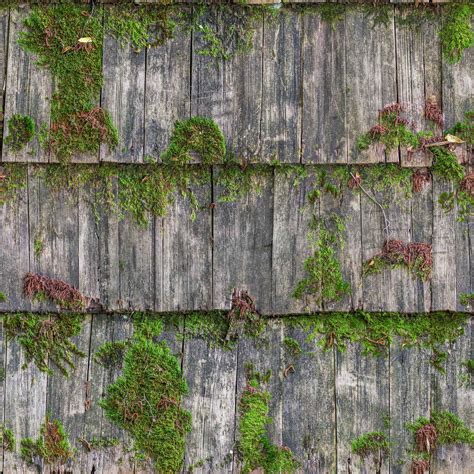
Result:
[98,444]
[332,13]
[374,445]
[256,450]
[3,297]
[12,181]
[21,130]
[200,135]
[456,33]
[38,246]
[67,40]
[465,128]
[292,346]
[7,439]
[111,354]
[466,299]
[446,165]
[376,331]
[141,26]
[52,447]
[151,374]
[323,280]
[46,338]
[388,177]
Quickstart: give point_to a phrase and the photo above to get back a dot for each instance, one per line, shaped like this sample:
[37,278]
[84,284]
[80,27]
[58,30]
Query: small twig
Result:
[385,218]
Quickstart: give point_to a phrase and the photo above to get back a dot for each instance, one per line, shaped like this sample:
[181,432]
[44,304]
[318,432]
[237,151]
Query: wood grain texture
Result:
[123,95]
[324,92]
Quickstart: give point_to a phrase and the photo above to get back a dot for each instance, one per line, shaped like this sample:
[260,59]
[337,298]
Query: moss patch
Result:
[373,445]
[46,338]
[146,399]
[111,354]
[442,428]
[7,439]
[52,447]
[199,135]
[256,450]
[12,181]
[21,130]
[456,33]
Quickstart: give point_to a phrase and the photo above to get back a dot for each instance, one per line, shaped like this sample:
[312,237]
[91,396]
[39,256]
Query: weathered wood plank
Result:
[291,220]
[67,396]
[443,281]
[418,78]
[104,328]
[53,234]
[211,376]
[167,91]
[421,231]
[4,26]
[410,373]
[371,80]
[28,90]
[362,388]
[242,257]
[449,393]
[186,262]
[282,76]
[136,254]
[3,372]
[347,208]
[123,95]
[324,91]
[25,405]
[309,412]
[14,251]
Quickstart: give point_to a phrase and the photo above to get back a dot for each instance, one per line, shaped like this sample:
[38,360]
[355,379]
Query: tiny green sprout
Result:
[292,347]
[21,131]
[3,297]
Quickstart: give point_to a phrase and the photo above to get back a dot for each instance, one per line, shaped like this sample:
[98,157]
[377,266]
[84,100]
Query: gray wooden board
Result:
[167,91]
[400,294]
[66,396]
[25,404]
[291,220]
[309,411]
[136,265]
[370,80]
[14,251]
[418,78]
[243,248]
[324,91]
[450,393]
[211,376]
[28,91]
[347,208]
[104,328]
[53,226]
[443,281]
[362,388]
[186,262]
[375,287]
[282,76]
[421,231]
[4,25]
[410,372]
[123,95]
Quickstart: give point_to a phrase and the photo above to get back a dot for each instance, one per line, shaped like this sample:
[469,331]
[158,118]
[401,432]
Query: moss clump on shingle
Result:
[7,439]
[51,448]
[256,450]
[21,130]
[146,399]
[373,445]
